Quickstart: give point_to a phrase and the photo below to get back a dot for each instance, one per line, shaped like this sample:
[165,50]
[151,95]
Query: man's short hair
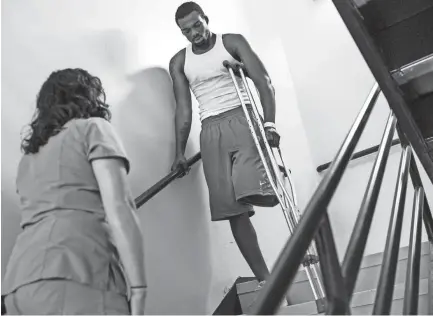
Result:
[186,8]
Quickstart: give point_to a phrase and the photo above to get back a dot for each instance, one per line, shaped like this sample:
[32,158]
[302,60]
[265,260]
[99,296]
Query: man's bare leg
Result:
[246,239]
[248,243]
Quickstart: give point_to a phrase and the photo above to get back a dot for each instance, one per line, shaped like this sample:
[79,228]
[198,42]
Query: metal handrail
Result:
[339,282]
[417,183]
[358,154]
[161,184]
[385,288]
[337,300]
[410,304]
[290,258]
[358,239]
[354,22]
[315,223]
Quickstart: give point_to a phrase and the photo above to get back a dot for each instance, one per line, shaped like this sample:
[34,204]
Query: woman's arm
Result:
[120,211]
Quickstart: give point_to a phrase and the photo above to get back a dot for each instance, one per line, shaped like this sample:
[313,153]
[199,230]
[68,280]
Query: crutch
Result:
[288,202]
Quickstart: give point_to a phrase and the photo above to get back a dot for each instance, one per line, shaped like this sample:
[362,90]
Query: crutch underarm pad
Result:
[227,64]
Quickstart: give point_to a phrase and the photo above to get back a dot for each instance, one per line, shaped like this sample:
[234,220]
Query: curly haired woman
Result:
[81,248]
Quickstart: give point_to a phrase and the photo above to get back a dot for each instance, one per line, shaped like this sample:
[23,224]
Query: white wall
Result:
[331,82]
[109,40]
[128,44]
[321,82]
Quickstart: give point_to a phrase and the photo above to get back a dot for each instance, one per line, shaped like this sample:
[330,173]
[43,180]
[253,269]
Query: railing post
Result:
[426,214]
[356,27]
[359,154]
[416,182]
[428,220]
[385,288]
[358,239]
[411,293]
[290,258]
[336,294]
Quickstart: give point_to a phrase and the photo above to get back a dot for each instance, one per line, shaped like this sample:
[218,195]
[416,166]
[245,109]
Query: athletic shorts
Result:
[234,172]
[64,297]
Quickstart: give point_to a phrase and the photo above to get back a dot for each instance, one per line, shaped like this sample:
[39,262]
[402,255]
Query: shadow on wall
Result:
[175,221]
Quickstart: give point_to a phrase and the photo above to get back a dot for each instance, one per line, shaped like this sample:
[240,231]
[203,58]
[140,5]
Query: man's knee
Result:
[241,224]
[239,219]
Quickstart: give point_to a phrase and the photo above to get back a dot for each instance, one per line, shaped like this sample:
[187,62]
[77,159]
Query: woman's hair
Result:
[67,94]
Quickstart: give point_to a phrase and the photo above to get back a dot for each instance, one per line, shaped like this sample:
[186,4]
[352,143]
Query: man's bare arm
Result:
[182,96]
[239,47]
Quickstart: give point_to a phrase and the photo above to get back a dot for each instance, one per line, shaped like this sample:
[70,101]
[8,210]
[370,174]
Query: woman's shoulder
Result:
[87,124]
[89,121]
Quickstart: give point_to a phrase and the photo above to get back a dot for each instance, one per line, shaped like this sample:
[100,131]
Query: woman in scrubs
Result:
[81,249]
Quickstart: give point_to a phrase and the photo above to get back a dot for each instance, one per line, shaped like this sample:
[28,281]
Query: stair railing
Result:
[359,154]
[161,184]
[339,281]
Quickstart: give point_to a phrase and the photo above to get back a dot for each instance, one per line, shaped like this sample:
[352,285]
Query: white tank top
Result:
[211,82]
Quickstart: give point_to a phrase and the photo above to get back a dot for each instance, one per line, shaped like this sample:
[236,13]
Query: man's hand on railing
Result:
[181,163]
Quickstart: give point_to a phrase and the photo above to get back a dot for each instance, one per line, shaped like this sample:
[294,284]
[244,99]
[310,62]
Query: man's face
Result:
[195,28]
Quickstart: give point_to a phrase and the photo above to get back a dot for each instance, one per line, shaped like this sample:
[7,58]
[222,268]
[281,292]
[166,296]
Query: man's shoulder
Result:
[232,40]
[178,60]
[233,37]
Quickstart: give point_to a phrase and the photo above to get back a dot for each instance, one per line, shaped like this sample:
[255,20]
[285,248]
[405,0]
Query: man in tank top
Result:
[233,170]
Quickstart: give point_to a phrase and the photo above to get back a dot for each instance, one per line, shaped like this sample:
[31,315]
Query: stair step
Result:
[300,291]
[401,29]
[381,14]
[302,298]
[362,302]
[422,112]
[415,79]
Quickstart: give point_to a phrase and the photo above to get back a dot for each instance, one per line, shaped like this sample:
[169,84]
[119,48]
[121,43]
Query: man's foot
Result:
[261,284]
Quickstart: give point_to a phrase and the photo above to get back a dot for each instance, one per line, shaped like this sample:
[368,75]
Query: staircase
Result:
[365,289]
[395,39]
[303,302]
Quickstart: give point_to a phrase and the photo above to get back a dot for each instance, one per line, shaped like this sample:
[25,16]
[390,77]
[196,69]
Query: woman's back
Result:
[65,231]
[76,205]
[59,176]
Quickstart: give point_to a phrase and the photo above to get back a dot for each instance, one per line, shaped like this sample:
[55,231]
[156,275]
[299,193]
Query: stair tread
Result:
[359,299]
[302,297]
[373,260]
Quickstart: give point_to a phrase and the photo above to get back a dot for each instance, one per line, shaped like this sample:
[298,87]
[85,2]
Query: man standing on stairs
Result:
[233,169]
